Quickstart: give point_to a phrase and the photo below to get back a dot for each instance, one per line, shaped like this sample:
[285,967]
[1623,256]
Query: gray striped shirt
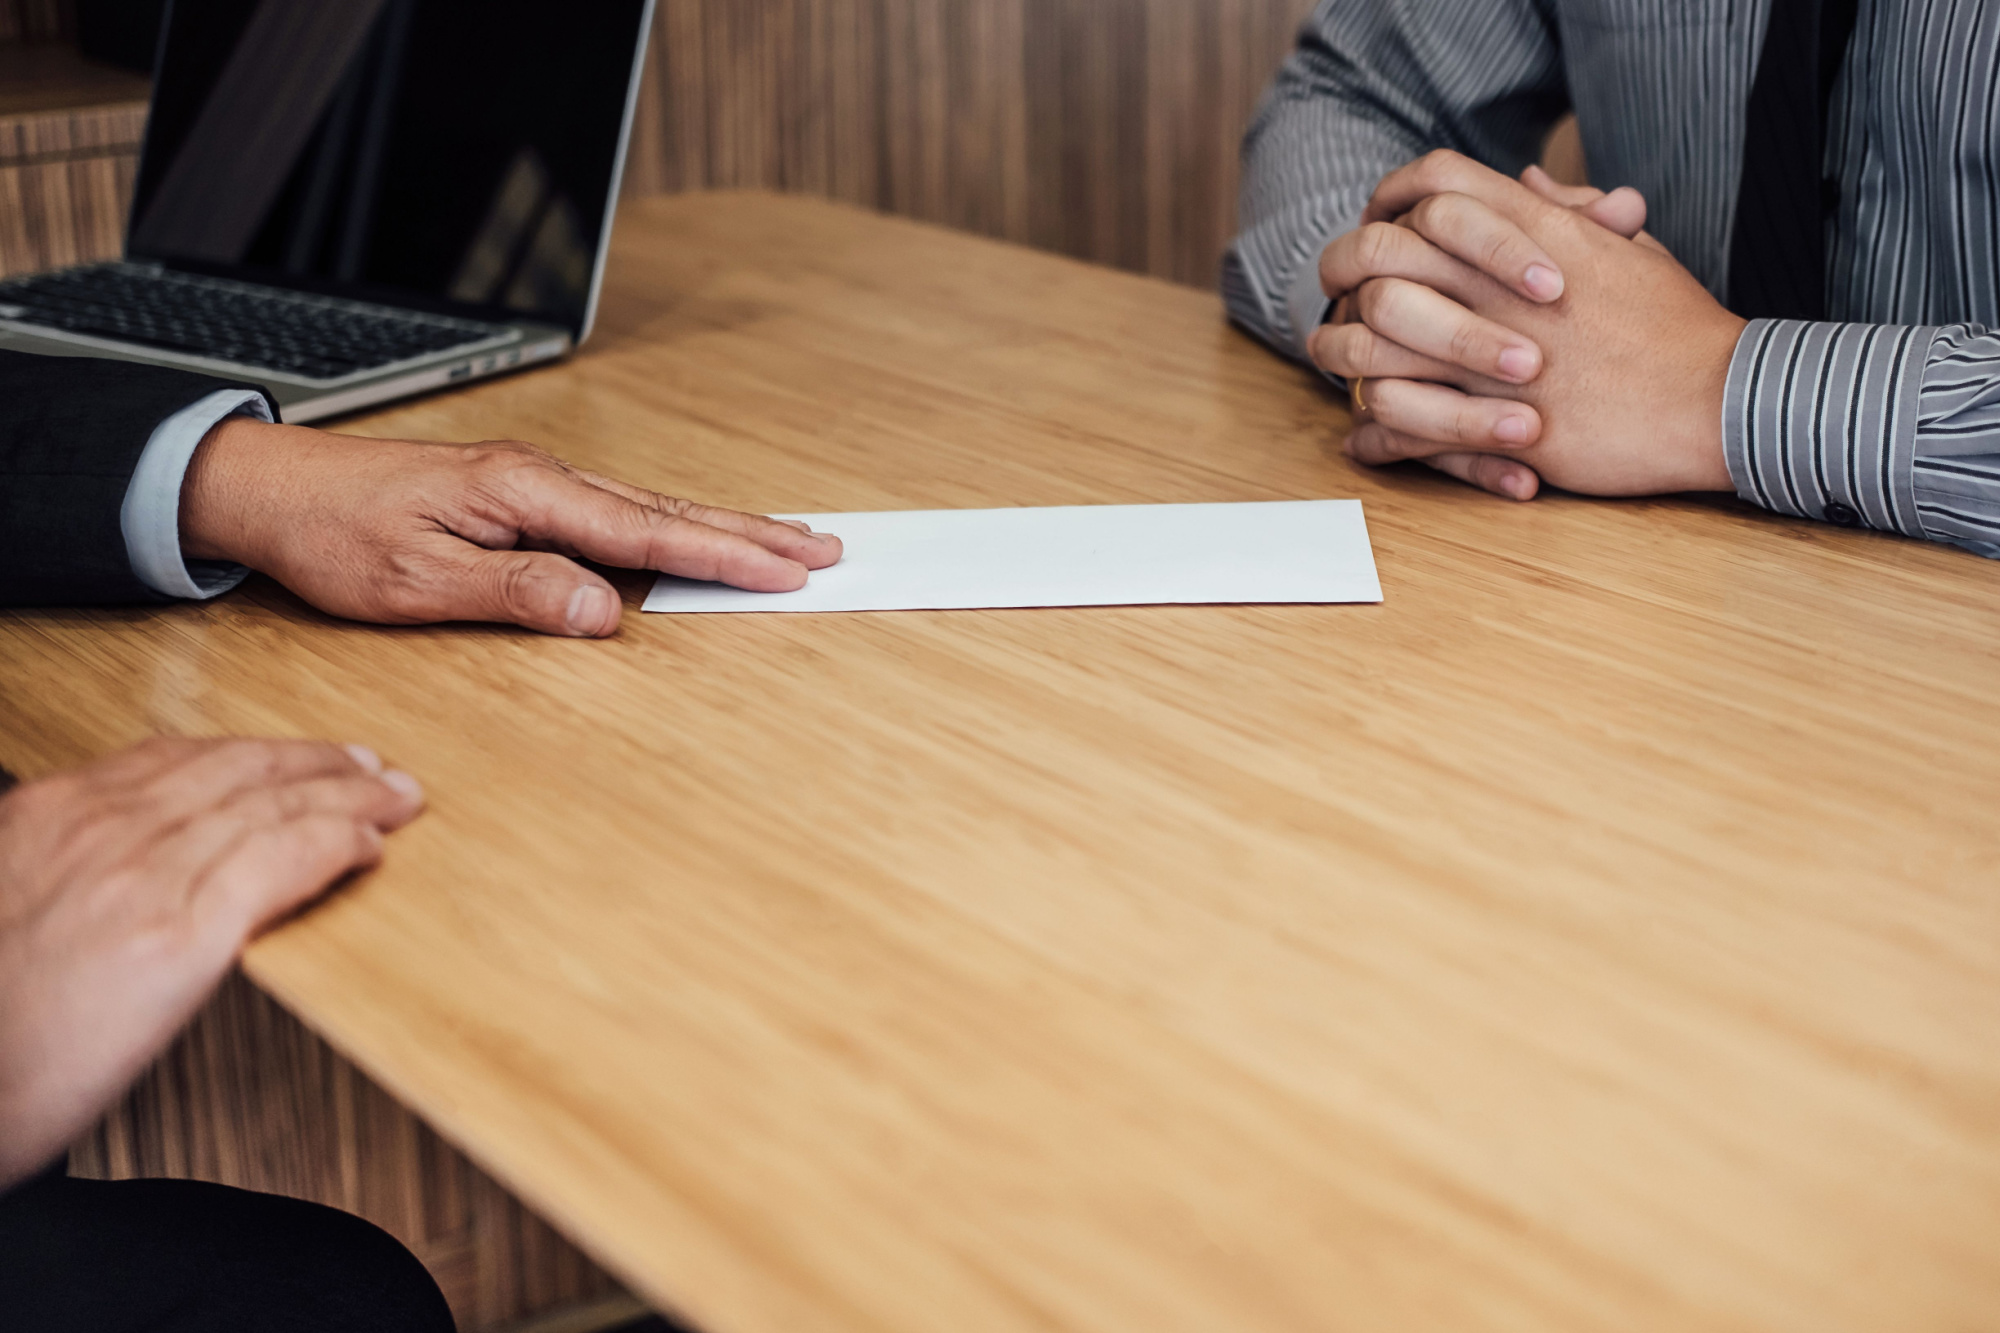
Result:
[1889,412]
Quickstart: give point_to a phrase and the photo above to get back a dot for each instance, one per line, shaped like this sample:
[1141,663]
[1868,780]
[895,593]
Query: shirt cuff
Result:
[1820,420]
[151,514]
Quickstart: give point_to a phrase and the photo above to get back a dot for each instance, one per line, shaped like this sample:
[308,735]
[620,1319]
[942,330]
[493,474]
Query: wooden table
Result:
[1603,933]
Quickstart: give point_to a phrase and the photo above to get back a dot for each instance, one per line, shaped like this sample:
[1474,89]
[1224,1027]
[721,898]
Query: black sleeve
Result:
[71,432]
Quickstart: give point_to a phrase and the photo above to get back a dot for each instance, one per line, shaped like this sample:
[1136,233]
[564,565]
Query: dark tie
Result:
[1777,256]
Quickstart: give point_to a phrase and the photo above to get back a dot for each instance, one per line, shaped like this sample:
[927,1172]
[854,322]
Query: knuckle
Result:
[1346,350]
[514,584]
[1362,349]
[1501,251]
[506,465]
[1380,300]
[254,758]
[1440,164]
[1467,342]
[1394,446]
[1376,246]
[1469,426]
[1435,213]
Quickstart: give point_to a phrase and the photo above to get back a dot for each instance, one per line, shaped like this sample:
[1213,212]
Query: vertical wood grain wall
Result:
[36,20]
[1105,129]
[248,1097]
[66,181]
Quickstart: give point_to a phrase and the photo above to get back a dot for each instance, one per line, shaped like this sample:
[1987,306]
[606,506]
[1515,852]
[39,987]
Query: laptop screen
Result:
[451,155]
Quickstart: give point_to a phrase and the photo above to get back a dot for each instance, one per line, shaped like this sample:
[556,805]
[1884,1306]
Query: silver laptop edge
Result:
[521,343]
[618,169]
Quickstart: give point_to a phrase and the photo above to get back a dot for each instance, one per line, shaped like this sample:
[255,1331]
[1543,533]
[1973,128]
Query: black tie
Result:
[1777,257]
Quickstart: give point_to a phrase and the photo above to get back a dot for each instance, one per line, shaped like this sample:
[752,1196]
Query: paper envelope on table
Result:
[1091,555]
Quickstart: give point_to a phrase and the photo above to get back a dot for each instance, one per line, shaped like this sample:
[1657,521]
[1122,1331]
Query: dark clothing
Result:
[152,1256]
[180,1256]
[71,432]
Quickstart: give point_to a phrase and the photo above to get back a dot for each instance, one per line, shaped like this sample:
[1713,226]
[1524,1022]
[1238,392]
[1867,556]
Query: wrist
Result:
[1708,454]
[217,511]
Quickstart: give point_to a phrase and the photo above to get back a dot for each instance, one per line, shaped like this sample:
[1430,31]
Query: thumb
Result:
[1622,211]
[533,589]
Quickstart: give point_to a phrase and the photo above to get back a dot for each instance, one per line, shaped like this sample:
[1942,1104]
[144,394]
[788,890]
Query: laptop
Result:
[350,201]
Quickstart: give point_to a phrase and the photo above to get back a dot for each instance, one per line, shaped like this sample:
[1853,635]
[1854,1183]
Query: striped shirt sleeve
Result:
[1371,86]
[1870,425]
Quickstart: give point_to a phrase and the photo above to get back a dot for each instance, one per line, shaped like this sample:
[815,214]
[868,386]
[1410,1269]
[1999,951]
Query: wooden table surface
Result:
[1603,933]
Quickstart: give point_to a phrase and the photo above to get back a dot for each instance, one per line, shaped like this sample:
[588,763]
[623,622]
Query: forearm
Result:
[1370,87]
[1879,426]
[88,472]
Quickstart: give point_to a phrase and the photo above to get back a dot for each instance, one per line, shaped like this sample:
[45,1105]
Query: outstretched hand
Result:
[405,533]
[127,889]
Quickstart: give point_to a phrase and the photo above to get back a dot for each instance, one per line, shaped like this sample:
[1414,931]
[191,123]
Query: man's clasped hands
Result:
[1511,332]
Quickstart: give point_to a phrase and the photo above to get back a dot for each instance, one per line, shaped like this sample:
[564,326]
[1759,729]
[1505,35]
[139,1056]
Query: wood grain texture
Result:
[248,1097]
[1600,933]
[51,77]
[1104,129]
[24,21]
[66,180]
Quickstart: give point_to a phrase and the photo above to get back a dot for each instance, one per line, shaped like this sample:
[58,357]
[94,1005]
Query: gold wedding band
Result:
[1354,395]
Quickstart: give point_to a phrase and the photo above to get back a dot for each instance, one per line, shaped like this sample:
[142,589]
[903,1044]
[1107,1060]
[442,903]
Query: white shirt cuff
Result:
[151,515]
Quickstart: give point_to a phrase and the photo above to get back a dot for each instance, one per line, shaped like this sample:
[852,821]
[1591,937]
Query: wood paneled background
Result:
[248,1097]
[1105,129]
[65,184]
[36,20]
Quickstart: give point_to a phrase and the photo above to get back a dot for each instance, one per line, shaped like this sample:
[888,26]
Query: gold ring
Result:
[1354,395]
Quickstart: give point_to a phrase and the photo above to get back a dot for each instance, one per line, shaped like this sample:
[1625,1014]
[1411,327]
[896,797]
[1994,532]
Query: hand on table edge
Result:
[404,532]
[128,888]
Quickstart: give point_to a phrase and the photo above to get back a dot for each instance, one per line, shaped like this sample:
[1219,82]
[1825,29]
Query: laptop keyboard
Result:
[314,337]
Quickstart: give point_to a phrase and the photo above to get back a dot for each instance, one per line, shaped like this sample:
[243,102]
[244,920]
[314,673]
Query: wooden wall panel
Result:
[1106,129]
[37,20]
[66,182]
[249,1097]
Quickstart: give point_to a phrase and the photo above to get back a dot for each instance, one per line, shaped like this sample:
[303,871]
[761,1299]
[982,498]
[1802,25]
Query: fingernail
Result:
[794,523]
[362,755]
[1543,283]
[403,784]
[1517,364]
[1517,487]
[589,611]
[1514,430]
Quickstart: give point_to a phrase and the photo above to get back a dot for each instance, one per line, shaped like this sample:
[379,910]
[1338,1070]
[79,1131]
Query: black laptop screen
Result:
[450,154]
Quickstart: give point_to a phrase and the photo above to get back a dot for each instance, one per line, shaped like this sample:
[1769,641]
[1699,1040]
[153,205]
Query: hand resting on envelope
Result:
[407,533]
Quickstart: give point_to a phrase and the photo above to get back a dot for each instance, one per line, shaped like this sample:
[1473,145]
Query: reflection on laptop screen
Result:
[453,153]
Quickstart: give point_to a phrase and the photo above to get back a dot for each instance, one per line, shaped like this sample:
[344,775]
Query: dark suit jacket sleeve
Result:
[71,432]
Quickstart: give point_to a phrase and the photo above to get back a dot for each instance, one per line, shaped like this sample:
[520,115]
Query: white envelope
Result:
[1092,555]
